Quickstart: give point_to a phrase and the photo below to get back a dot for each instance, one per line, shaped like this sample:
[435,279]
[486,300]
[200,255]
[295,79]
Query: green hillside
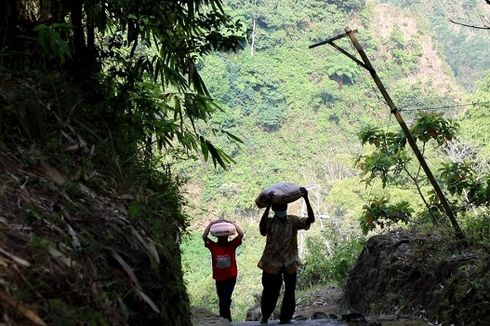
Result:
[126,126]
[298,111]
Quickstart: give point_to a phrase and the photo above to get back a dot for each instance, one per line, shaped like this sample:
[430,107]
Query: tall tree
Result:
[143,48]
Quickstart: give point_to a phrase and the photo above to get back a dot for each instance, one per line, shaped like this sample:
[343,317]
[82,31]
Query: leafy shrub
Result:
[342,69]
[51,41]
[379,213]
[329,258]
[406,53]
[270,117]
[349,5]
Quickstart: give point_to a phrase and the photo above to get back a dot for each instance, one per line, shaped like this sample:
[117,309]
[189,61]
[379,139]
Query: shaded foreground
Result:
[430,276]
[69,254]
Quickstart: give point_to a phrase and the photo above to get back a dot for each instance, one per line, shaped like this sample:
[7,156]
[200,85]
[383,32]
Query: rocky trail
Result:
[324,307]
[314,322]
[205,318]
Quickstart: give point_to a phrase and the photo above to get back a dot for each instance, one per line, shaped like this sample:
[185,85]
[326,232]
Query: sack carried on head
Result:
[222,229]
[284,193]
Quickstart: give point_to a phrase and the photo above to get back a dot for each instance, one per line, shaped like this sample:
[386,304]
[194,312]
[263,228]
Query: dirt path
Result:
[324,302]
[202,317]
[315,322]
[320,304]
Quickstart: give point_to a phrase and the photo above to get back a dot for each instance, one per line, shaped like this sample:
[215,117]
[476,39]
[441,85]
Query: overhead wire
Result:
[419,109]
[412,109]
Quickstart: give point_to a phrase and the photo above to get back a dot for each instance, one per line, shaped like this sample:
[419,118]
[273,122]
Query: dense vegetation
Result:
[285,101]
[461,46]
[92,93]
[129,99]
[303,114]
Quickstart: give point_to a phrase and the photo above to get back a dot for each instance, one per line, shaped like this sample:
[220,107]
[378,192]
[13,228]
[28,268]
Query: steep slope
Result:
[298,111]
[76,244]
[410,273]
[464,48]
[431,68]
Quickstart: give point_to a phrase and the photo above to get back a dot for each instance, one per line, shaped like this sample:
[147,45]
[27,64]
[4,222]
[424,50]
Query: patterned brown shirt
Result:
[281,248]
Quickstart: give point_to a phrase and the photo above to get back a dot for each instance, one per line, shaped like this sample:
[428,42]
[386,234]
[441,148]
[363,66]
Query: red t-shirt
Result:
[223,259]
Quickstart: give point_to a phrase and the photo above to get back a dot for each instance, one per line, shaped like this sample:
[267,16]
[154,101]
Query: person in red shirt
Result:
[224,264]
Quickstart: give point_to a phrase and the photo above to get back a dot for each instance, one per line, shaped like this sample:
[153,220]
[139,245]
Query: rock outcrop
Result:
[410,273]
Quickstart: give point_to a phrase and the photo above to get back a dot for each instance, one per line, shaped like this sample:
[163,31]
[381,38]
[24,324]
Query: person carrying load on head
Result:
[223,259]
[280,261]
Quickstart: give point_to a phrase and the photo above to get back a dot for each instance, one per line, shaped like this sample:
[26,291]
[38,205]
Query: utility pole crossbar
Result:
[331,42]
[338,37]
[366,64]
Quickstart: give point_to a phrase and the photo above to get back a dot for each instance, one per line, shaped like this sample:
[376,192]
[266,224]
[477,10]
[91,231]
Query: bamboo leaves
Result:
[51,41]
[218,156]
[147,55]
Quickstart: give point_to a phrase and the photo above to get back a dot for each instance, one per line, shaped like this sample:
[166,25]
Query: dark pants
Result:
[224,290]
[272,286]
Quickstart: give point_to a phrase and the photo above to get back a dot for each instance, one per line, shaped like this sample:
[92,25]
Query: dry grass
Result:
[70,253]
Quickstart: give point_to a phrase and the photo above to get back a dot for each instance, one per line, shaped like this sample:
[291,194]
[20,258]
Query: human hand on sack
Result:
[270,197]
[304,192]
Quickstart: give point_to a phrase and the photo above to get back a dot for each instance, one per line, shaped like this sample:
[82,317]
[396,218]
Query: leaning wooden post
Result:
[411,141]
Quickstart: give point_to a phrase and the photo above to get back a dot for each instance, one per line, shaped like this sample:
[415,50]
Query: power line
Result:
[442,107]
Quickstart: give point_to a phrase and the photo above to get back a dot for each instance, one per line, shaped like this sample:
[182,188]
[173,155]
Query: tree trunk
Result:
[77,28]
[253,38]
[90,35]
[8,20]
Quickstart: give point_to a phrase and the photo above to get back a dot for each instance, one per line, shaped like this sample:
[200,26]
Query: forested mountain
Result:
[125,126]
[299,113]
[298,110]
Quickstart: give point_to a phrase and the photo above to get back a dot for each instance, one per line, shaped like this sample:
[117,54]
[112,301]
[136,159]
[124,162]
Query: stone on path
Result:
[203,317]
[309,322]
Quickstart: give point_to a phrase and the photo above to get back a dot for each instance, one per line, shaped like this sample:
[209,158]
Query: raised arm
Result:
[263,221]
[238,230]
[311,215]
[265,216]
[206,231]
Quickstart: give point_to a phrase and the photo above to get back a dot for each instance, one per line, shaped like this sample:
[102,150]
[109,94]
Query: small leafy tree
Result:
[378,212]
[270,112]
[469,188]
[270,117]
[406,53]
[392,162]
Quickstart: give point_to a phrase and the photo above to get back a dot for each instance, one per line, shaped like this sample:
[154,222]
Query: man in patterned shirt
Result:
[280,261]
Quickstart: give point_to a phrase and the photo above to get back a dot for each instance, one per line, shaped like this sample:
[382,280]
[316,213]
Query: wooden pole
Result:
[406,131]
[365,63]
